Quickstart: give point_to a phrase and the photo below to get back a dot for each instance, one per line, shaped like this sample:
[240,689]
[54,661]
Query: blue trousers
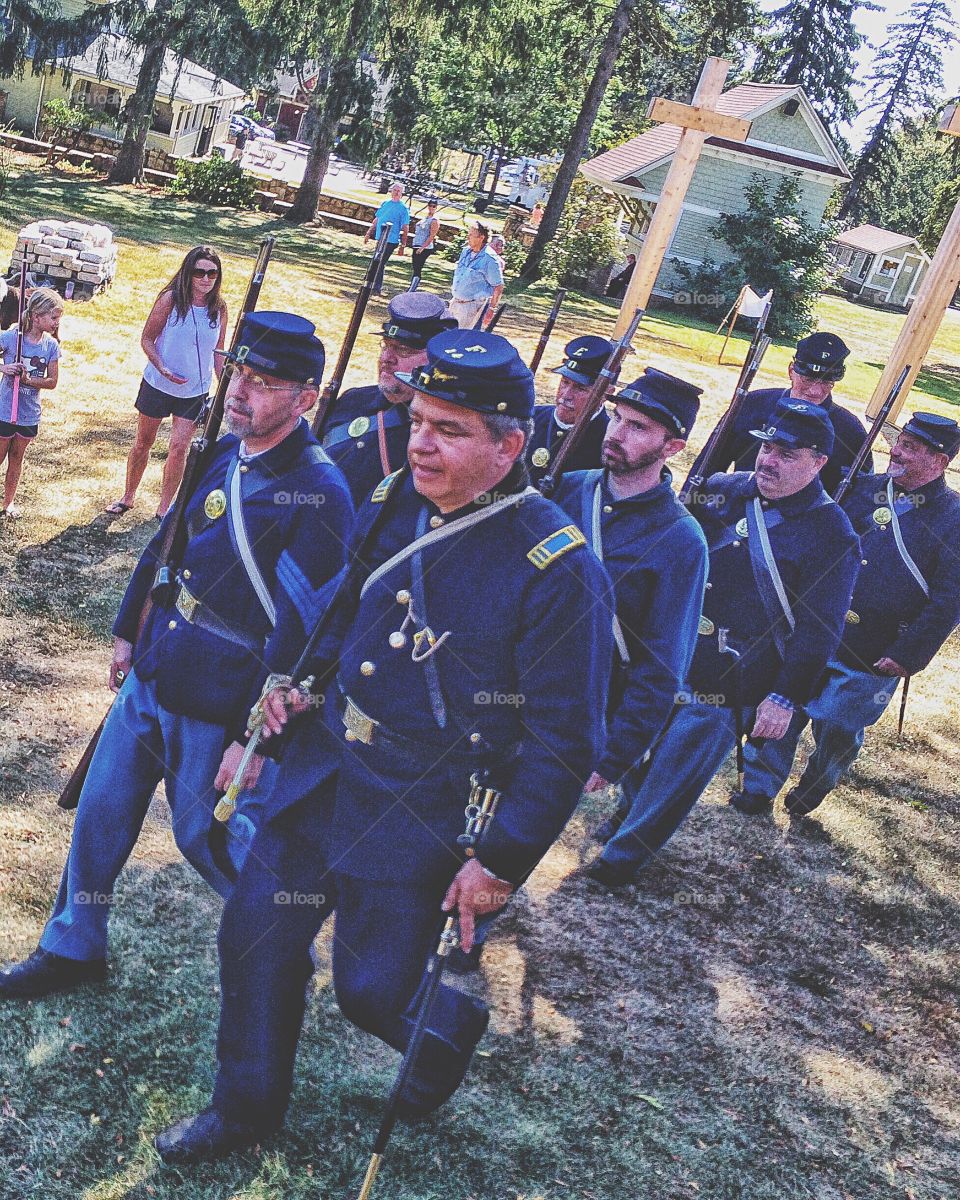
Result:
[141,744]
[383,936]
[849,702]
[662,792]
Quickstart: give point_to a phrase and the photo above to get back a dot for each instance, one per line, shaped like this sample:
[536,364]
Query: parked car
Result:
[250,127]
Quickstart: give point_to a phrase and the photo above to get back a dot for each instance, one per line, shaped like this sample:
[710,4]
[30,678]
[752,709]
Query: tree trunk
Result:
[327,110]
[139,115]
[579,138]
[501,155]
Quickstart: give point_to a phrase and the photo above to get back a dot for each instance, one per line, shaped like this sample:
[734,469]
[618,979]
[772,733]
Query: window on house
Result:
[104,100]
[162,117]
[888,266]
[864,265]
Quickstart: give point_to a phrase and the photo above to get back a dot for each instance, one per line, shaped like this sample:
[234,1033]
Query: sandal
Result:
[117,508]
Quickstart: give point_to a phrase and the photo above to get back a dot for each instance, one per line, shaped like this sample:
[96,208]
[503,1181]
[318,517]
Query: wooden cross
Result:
[923,320]
[697,121]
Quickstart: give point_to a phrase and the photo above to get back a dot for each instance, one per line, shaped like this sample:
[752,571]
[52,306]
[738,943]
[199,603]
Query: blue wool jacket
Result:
[656,555]
[890,616]
[849,435]
[519,616]
[816,552]
[548,436]
[297,512]
[359,454]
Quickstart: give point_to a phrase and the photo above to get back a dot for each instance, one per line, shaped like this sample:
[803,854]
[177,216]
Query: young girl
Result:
[187,323]
[38,370]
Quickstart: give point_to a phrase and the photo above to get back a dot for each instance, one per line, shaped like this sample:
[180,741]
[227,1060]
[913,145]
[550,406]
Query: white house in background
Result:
[193,107]
[786,138]
[879,266]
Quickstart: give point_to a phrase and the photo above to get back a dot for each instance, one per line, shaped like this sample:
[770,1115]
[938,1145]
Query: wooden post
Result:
[698,121]
[923,320]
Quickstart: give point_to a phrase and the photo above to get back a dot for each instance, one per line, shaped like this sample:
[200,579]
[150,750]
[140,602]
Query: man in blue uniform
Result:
[266,529]
[584,359]
[656,555]
[783,558]
[817,365]
[904,607]
[366,434]
[482,624]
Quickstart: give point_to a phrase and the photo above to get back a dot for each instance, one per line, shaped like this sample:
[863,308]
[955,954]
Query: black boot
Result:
[44,973]
[751,804]
[798,802]
[430,1086]
[205,1136]
[610,827]
[610,875]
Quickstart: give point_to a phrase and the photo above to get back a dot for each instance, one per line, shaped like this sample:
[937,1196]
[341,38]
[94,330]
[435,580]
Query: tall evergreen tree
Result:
[906,78]
[812,43]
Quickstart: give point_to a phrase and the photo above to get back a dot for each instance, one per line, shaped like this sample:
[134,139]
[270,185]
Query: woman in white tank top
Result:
[187,324]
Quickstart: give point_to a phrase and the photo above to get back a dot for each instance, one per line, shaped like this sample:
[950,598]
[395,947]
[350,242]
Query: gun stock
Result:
[332,390]
[174,538]
[497,314]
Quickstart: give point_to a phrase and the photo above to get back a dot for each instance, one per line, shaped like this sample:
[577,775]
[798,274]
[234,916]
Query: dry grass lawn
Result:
[771,1014]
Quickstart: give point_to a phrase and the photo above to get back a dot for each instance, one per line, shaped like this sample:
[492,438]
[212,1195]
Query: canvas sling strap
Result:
[590,506]
[904,505]
[241,541]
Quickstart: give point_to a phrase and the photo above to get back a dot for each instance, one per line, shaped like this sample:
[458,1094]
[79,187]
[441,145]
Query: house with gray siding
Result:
[879,266]
[786,138]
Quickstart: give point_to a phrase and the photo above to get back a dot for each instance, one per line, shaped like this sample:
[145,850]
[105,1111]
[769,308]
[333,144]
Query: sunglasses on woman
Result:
[205,272]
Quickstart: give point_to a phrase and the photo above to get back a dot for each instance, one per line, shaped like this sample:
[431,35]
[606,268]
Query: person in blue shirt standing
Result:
[783,560]
[656,555]
[479,643]
[904,607]
[477,279]
[397,214]
[265,532]
[583,361]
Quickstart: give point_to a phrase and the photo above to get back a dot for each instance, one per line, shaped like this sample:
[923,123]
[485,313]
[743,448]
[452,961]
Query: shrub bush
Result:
[215,181]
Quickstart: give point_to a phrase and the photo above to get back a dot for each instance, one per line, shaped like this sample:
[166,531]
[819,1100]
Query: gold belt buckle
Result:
[186,604]
[358,724]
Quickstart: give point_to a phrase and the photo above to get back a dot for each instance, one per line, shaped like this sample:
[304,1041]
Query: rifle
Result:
[332,390]
[414,284]
[174,537]
[18,351]
[598,393]
[479,812]
[547,330]
[716,453]
[497,314]
[903,704]
[862,454]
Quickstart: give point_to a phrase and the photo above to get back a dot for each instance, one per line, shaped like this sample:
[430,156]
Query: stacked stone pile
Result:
[61,252]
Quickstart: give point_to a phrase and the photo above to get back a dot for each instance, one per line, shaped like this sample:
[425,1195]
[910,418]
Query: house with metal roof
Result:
[191,114]
[880,266]
[786,138]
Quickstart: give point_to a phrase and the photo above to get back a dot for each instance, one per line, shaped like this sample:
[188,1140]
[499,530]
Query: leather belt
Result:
[197,613]
[360,727]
